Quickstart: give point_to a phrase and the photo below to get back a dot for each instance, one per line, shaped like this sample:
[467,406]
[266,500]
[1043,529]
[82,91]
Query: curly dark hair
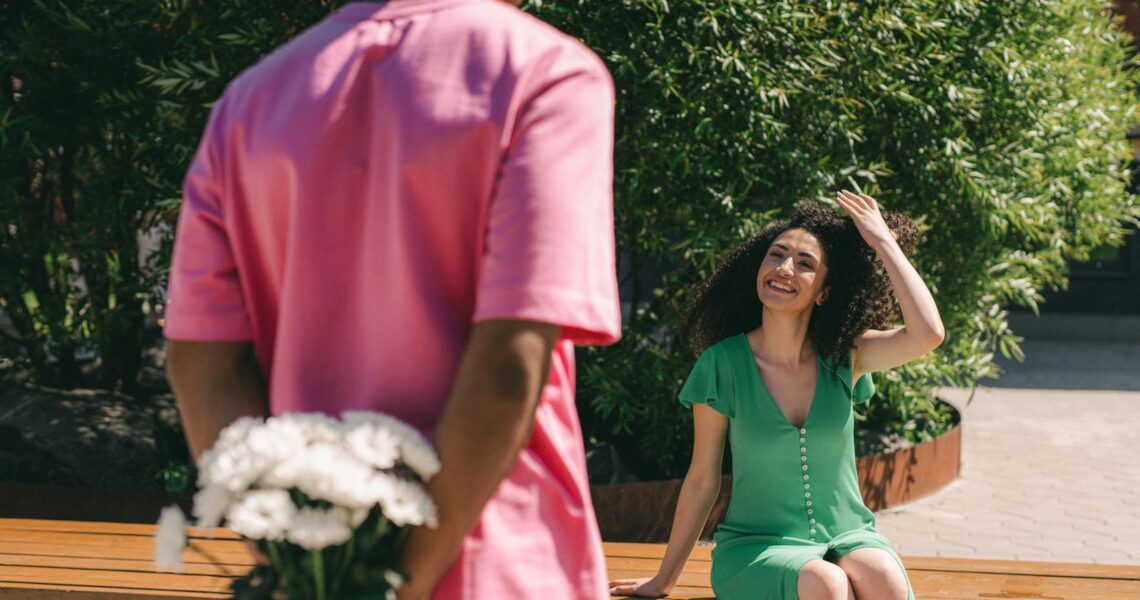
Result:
[859,296]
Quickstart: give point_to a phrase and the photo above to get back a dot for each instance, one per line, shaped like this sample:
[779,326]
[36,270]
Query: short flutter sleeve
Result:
[711,383]
[862,390]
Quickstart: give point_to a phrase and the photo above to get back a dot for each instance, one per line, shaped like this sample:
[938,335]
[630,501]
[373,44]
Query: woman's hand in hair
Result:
[864,212]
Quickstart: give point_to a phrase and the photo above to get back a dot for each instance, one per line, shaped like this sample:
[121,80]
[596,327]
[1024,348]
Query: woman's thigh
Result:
[875,573]
[760,571]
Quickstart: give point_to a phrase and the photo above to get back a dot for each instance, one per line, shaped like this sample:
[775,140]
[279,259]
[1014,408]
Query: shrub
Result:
[102,107]
[997,125]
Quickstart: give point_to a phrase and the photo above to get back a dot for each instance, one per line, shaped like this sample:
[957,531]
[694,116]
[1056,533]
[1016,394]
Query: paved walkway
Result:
[1047,474]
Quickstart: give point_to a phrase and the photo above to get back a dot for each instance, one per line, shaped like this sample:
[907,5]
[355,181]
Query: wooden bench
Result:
[75,560]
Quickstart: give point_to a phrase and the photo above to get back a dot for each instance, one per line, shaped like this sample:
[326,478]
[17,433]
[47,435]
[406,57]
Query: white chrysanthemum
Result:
[277,440]
[235,468]
[211,504]
[170,539]
[352,517]
[420,456]
[316,427]
[407,503]
[415,450]
[262,515]
[237,431]
[395,580]
[376,445]
[232,436]
[330,472]
[317,529]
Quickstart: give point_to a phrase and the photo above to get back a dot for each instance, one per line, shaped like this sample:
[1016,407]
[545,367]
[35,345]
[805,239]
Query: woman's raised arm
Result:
[923,331]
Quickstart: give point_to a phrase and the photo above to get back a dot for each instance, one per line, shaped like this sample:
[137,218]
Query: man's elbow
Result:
[515,379]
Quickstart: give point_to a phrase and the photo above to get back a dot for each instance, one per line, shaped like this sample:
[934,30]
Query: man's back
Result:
[370,190]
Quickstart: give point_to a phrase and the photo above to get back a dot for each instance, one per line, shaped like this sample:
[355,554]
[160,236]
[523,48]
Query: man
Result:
[408,208]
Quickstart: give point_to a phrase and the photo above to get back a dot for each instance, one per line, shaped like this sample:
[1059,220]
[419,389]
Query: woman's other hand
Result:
[644,587]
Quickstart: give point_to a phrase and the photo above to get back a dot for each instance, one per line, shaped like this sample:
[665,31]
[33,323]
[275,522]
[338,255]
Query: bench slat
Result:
[115,579]
[145,530]
[61,561]
[65,560]
[47,591]
[1099,571]
[977,586]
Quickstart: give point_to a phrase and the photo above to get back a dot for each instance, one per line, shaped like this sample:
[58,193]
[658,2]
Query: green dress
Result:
[795,492]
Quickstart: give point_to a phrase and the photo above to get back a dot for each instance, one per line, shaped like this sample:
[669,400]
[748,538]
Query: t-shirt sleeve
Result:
[710,382]
[549,241]
[204,298]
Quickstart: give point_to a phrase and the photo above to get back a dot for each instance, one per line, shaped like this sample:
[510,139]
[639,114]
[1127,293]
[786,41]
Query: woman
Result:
[791,325]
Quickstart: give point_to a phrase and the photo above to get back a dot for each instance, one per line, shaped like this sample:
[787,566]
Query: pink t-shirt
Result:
[370,190]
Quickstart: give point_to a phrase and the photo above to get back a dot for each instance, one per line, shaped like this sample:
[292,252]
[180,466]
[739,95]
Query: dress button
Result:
[809,504]
[802,440]
[807,486]
[812,531]
[807,494]
[805,467]
[803,459]
[803,431]
[803,450]
[810,511]
[806,477]
[812,521]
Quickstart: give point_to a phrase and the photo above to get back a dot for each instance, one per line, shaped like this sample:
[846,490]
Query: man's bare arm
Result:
[214,383]
[487,421]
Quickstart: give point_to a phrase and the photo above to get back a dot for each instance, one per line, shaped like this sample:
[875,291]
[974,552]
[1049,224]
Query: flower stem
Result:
[319,573]
[345,561]
[275,556]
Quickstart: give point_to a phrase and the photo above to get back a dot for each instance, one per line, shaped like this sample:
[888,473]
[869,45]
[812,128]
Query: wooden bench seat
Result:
[76,560]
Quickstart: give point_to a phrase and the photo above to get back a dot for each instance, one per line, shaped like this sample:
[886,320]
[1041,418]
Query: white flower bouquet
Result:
[328,502]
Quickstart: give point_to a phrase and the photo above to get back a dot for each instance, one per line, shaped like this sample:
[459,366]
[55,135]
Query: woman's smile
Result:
[781,287]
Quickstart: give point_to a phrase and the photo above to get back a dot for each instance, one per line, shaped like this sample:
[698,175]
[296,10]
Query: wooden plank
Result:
[113,579]
[977,586]
[1102,571]
[116,564]
[109,528]
[657,551]
[88,561]
[940,578]
[46,591]
[81,545]
[650,564]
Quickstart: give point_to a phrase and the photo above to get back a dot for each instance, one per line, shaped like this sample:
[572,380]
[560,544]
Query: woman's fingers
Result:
[860,202]
[848,205]
[847,198]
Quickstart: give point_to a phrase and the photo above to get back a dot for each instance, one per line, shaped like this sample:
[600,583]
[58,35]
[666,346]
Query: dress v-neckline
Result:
[768,395]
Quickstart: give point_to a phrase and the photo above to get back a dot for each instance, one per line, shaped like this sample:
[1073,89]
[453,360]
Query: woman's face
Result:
[792,273]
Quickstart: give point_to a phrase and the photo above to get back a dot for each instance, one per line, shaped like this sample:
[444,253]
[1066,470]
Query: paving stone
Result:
[1059,486]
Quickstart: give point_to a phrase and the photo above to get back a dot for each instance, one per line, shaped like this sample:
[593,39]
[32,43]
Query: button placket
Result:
[807,484]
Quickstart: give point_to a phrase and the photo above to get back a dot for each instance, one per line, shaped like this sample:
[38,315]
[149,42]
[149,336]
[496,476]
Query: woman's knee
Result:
[821,580]
[875,575]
